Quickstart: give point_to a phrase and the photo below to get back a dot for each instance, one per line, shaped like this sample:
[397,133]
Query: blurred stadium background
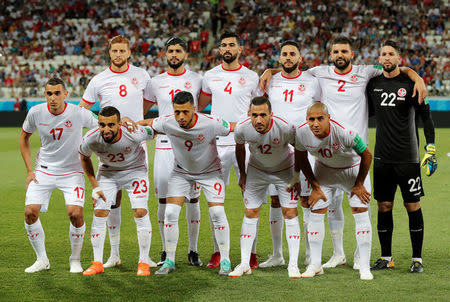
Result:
[39,39]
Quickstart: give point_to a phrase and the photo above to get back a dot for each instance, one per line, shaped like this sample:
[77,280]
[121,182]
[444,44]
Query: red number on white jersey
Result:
[228,88]
[218,188]
[265,149]
[325,152]
[136,185]
[56,136]
[290,93]
[113,159]
[341,88]
[294,195]
[188,144]
[173,92]
[123,90]
[80,192]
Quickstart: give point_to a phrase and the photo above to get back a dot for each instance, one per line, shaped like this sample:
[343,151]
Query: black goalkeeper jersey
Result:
[391,101]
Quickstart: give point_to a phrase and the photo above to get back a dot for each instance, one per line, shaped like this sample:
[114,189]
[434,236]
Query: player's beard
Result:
[229,59]
[176,65]
[110,140]
[390,69]
[343,65]
[120,64]
[289,69]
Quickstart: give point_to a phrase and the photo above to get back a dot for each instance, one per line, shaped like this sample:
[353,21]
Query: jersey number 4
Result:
[228,88]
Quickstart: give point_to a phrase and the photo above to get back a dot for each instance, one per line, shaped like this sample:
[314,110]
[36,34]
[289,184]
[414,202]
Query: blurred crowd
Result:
[70,38]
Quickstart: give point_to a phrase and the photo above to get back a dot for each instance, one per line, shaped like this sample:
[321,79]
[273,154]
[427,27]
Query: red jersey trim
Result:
[148,101]
[120,137]
[355,165]
[88,101]
[48,108]
[82,154]
[279,118]
[265,171]
[58,174]
[205,93]
[211,118]
[270,127]
[292,77]
[176,75]
[26,132]
[128,67]
[337,123]
[302,125]
[351,68]
[329,130]
[195,123]
[177,171]
[244,121]
[93,132]
[123,169]
[240,66]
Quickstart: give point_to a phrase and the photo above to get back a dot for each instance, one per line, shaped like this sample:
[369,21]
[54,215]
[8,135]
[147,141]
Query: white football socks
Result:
[293,236]
[316,234]
[171,231]
[161,212]
[248,234]
[36,235]
[276,230]
[336,225]
[221,230]
[306,213]
[363,231]
[114,221]
[144,234]
[213,234]
[76,236]
[98,234]
[193,222]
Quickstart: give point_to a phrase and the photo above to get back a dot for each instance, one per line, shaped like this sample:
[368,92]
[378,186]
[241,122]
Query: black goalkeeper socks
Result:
[385,227]
[416,232]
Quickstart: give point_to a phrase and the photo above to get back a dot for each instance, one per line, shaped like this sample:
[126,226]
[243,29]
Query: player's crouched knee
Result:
[140,212]
[31,215]
[75,214]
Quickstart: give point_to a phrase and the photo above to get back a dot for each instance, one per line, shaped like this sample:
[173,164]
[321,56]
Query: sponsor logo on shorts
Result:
[242,81]
[187,85]
[354,78]
[401,92]
[68,124]
[246,202]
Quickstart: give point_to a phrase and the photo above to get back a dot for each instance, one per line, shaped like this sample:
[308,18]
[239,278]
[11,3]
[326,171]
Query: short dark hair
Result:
[290,42]
[183,97]
[342,40]
[392,44]
[229,34]
[260,100]
[110,111]
[175,40]
[56,81]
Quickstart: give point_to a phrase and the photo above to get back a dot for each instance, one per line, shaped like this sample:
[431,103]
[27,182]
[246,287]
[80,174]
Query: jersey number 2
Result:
[341,88]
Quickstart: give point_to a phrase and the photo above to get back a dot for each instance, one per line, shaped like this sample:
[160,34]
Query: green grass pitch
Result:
[202,284]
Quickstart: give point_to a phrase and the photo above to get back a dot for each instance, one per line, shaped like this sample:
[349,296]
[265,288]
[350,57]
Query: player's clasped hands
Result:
[360,191]
[97,194]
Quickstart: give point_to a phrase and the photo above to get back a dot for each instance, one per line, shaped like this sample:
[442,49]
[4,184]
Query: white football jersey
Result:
[337,150]
[231,92]
[290,97]
[194,149]
[60,136]
[345,94]
[162,90]
[125,154]
[122,90]
[269,152]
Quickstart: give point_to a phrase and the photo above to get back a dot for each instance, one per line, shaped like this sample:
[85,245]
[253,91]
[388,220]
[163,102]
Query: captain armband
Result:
[360,145]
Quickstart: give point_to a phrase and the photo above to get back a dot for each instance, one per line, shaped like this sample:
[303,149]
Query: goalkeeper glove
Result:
[429,160]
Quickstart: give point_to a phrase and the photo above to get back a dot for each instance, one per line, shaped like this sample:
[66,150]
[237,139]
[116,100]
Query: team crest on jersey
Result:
[187,85]
[354,78]
[134,81]
[242,81]
[276,141]
[127,150]
[68,124]
[301,87]
[201,137]
[401,92]
[335,146]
